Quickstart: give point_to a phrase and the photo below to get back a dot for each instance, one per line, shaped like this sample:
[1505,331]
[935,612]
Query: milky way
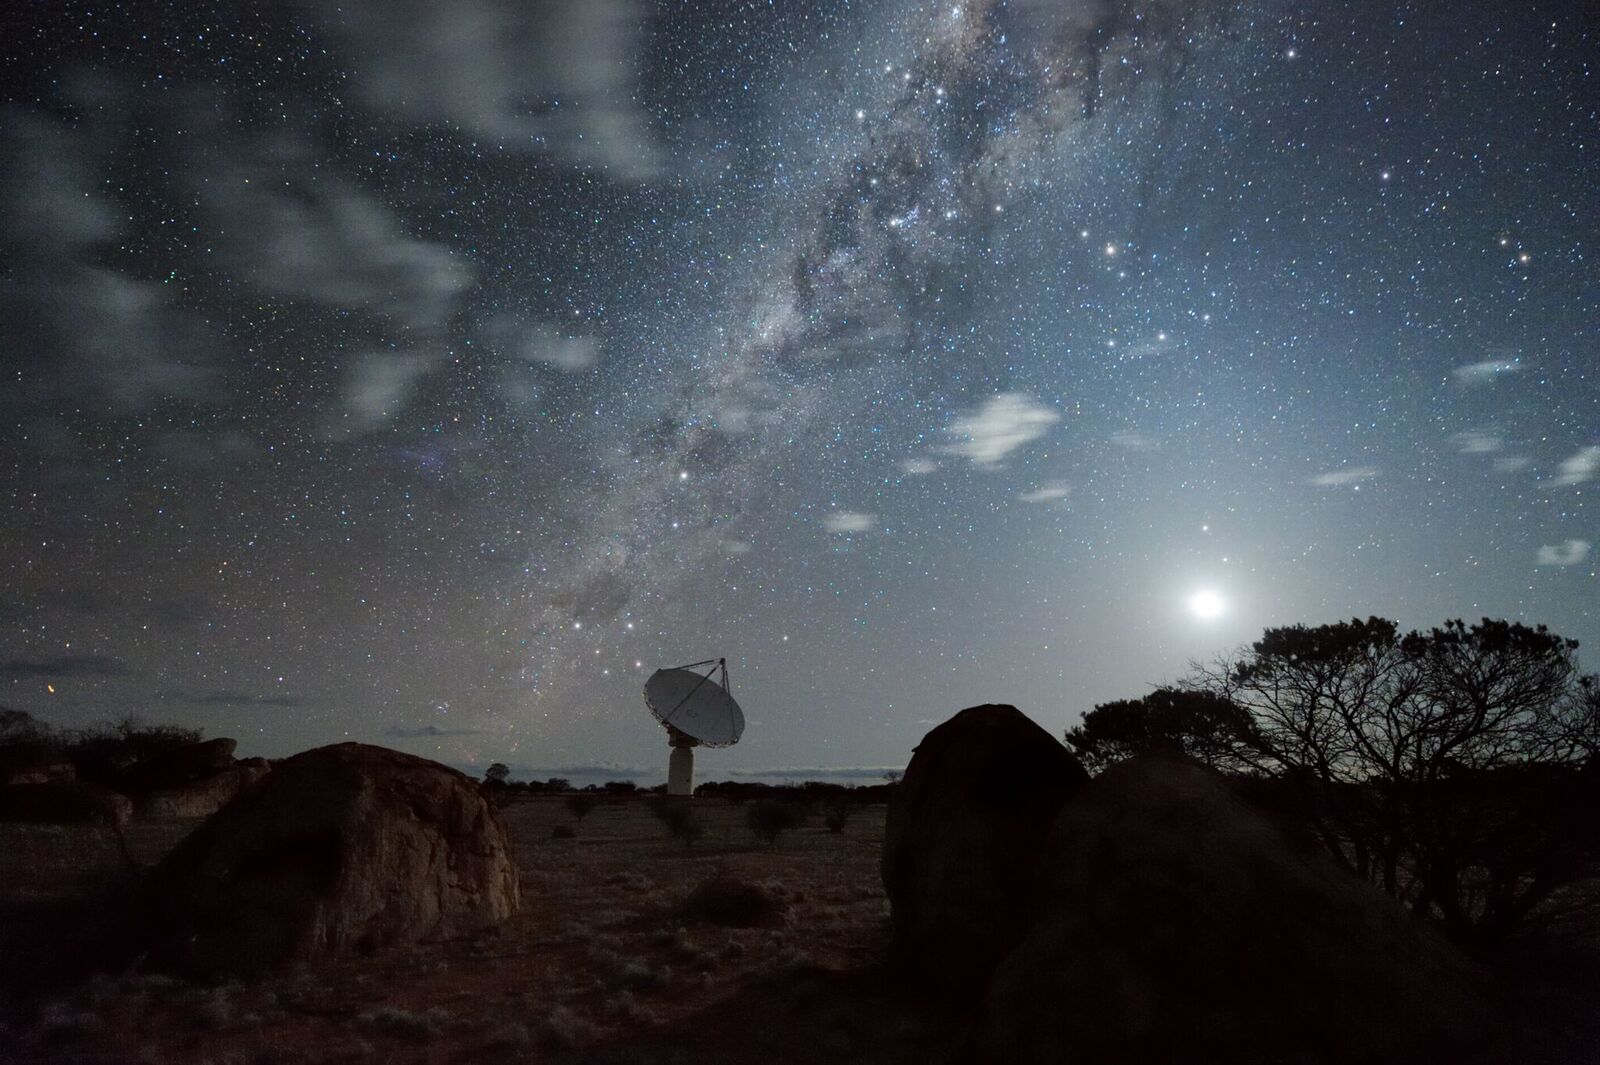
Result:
[429,373]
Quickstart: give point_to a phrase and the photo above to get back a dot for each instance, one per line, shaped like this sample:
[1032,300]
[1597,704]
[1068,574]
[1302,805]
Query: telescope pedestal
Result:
[680,771]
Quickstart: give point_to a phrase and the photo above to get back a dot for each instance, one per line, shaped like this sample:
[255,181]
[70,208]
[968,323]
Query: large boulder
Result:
[64,802]
[198,798]
[339,850]
[1180,925]
[963,833]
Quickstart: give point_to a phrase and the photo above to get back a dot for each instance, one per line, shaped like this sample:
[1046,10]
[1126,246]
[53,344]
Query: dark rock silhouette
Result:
[963,833]
[1179,925]
[197,798]
[339,850]
[64,802]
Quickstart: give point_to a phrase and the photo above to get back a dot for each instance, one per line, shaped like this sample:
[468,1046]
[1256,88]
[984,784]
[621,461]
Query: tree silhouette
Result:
[1447,767]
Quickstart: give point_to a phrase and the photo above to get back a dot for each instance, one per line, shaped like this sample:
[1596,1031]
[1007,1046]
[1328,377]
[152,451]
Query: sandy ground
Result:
[597,967]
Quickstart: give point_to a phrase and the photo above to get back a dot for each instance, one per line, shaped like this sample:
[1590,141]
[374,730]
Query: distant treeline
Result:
[734,791]
[100,754]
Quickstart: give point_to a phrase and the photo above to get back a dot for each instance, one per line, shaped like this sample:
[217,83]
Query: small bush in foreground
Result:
[679,818]
[735,904]
[769,819]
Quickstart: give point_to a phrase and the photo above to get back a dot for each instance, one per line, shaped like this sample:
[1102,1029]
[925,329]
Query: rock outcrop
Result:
[198,798]
[1177,924]
[962,838]
[339,850]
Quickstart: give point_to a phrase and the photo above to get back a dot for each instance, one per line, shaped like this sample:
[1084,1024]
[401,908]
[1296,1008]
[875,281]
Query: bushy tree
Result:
[770,818]
[498,773]
[1200,724]
[103,753]
[1446,766]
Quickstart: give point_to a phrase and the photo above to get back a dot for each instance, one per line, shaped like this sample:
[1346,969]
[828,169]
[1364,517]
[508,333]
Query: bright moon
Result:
[1207,604]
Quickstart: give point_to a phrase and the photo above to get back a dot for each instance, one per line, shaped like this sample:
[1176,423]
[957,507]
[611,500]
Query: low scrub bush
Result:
[769,818]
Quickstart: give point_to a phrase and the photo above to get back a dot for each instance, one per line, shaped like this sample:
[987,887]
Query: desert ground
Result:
[600,965]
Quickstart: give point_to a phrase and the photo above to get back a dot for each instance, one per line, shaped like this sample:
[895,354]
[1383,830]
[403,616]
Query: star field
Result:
[429,373]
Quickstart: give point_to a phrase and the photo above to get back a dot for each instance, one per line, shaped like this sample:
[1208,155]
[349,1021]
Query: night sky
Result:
[428,373]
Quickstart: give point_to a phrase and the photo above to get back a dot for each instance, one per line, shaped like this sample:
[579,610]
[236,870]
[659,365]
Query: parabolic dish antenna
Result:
[697,711]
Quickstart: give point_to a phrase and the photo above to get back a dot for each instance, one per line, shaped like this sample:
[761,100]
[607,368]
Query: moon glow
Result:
[1207,604]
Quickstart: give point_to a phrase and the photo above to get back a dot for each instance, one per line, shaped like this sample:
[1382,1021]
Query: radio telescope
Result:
[696,712]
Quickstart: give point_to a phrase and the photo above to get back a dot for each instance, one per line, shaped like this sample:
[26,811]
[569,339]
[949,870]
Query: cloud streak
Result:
[1047,493]
[1001,425]
[64,666]
[1340,478]
[427,732]
[229,698]
[1579,467]
[1481,373]
[849,521]
[555,78]
[1567,553]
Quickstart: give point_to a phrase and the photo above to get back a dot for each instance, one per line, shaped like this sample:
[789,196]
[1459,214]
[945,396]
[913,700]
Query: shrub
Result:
[104,753]
[563,832]
[679,818]
[770,818]
[836,817]
[580,803]
[735,904]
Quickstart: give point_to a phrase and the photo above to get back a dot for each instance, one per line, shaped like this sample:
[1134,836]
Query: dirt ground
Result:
[598,966]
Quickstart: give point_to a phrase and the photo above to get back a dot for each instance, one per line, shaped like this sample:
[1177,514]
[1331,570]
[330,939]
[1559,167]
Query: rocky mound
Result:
[339,850]
[963,834]
[1178,924]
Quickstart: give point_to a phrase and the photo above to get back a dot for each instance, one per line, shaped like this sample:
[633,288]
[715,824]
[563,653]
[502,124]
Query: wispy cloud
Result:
[229,698]
[1133,441]
[65,666]
[1477,442]
[322,240]
[1478,373]
[427,732]
[534,341]
[849,521]
[918,467]
[1580,467]
[1047,493]
[1349,475]
[379,385]
[94,334]
[557,78]
[1569,553]
[1512,463]
[1004,423]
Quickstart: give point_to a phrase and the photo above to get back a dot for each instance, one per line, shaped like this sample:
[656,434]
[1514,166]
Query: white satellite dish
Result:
[696,711]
